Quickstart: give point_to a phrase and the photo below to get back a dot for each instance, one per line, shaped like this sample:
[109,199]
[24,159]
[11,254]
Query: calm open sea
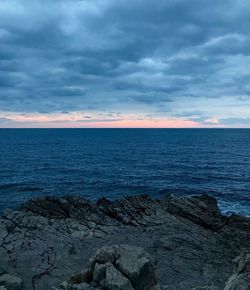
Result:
[119,162]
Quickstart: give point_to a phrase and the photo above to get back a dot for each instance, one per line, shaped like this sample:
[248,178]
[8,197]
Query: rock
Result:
[113,279]
[49,239]
[10,282]
[64,285]
[202,209]
[81,277]
[99,272]
[240,280]
[108,277]
[133,262]
[102,256]
[120,267]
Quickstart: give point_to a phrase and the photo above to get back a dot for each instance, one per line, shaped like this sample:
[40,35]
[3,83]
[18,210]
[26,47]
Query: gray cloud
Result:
[4,120]
[235,121]
[158,57]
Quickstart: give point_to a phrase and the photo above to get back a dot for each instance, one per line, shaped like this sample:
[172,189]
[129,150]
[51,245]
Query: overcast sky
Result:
[124,63]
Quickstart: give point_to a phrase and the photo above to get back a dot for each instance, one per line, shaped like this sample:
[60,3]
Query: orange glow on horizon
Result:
[164,123]
[96,120]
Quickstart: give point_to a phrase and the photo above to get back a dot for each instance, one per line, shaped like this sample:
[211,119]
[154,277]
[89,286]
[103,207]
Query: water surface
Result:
[118,162]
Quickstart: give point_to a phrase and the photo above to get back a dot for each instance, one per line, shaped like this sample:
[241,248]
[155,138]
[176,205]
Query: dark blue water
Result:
[118,162]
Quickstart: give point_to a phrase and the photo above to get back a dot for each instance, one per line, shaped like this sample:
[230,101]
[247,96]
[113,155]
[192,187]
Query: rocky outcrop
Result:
[191,244]
[240,280]
[201,209]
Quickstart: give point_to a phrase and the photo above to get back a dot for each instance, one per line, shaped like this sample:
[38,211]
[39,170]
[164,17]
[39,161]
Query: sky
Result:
[124,63]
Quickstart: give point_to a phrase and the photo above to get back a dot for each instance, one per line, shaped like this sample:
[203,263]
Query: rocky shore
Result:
[172,244]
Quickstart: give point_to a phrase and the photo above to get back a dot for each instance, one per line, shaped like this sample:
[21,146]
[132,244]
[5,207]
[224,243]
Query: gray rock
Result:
[64,285]
[191,243]
[99,272]
[121,267]
[240,280]
[135,264]
[102,256]
[10,282]
[114,280]
[200,209]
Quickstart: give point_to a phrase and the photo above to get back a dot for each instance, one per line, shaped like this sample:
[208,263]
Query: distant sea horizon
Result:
[132,128]
[116,162]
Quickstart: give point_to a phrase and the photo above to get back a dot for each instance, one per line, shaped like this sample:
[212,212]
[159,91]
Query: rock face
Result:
[240,280]
[191,244]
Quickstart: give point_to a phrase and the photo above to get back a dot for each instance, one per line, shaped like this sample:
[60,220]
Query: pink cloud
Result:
[96,120]
[146,123]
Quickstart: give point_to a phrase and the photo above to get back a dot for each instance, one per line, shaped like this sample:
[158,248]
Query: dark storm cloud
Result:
[120,55]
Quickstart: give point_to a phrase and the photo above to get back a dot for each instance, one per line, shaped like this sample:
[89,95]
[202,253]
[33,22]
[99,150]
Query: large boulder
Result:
[240,280]
[109,278]
[120,267]
[133,263]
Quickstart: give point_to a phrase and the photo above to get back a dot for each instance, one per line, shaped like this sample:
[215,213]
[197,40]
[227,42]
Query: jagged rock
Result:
[49,239]
[135,264]
[240,280]
[10,282]
[102,256]
[99,272]
[122,267]
[112,279]
[132,262]
[200,209]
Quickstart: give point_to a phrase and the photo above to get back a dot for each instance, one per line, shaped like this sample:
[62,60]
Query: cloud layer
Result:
[178,60]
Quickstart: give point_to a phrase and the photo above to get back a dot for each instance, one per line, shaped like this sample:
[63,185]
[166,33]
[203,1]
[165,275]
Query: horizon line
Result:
[107,128]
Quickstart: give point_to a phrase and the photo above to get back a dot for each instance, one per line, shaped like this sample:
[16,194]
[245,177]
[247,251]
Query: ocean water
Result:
[119,162]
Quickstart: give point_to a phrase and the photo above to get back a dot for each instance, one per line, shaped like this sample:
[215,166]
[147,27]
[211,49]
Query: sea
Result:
[120,162]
